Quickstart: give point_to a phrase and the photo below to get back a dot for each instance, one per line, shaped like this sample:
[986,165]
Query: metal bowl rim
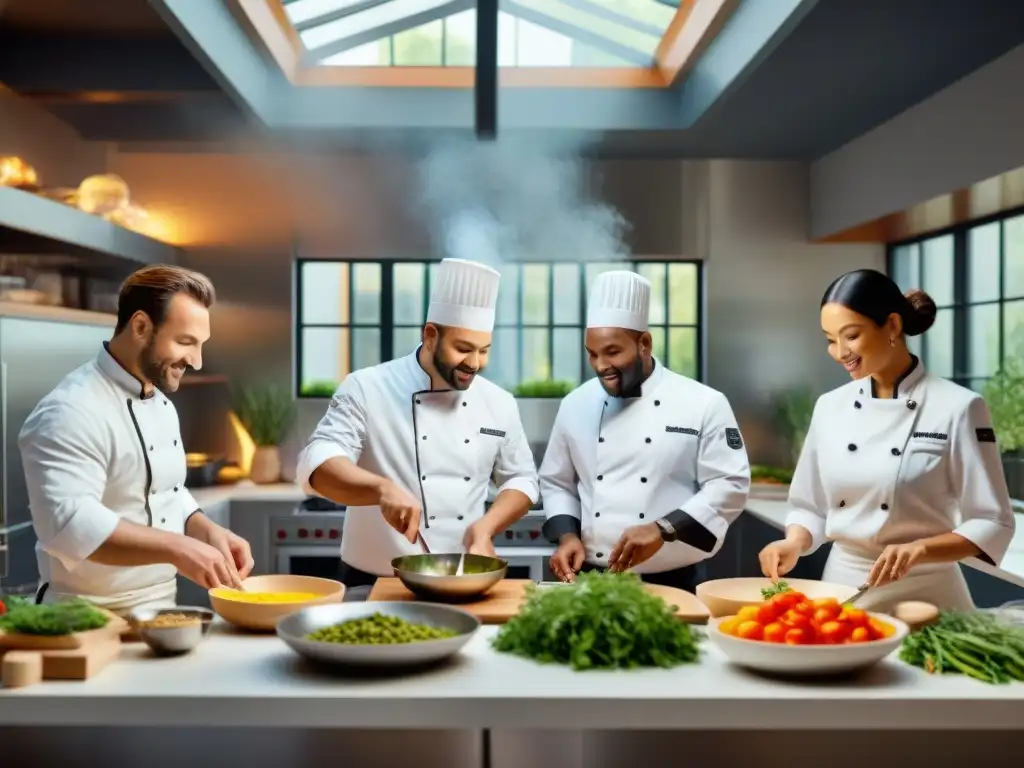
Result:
[502,566]
[205,615]
[284,634]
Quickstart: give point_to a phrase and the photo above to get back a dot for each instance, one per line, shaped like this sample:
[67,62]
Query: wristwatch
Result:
[668,531]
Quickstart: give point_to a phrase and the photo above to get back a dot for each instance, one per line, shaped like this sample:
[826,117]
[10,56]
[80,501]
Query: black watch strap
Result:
[668,531]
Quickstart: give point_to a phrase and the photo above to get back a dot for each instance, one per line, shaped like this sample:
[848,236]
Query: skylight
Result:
[538,33]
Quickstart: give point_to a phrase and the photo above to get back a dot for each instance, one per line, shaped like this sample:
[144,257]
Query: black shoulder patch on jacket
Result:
[985,434]
[733,439]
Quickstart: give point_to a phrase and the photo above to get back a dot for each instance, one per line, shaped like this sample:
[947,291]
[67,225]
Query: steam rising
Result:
[495,202]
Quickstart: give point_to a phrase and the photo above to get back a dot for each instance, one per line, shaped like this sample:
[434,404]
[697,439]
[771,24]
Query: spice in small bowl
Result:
[170,631]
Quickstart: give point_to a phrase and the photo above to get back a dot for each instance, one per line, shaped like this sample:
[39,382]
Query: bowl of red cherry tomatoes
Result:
[791,633]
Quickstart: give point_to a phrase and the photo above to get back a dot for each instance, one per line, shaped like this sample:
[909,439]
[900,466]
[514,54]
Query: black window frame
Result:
[962,303]
[387,325]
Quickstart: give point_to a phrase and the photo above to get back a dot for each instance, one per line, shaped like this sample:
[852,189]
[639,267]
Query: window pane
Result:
[324,299]
[978,385]
[535,293]
[614,31]
[1013,329]
[682,351]
[304,10]
[508,31]
[375,54]
[1013,254]
[939,345]
[983,330]
[508,295]
[983,263]
[365,347]
[364,21]
[419,47]
[536,357]
[937,265]
[682,294]
[658,344]
[503,362]
[653,12]
[655,272]
[410,291]
[325,355]
[405,340]
[460,39]
[567,355]
[567,295]
[906,267]
[366,282]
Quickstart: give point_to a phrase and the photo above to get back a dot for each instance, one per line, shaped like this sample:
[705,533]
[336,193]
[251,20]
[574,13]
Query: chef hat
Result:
[619,299]
[464,295]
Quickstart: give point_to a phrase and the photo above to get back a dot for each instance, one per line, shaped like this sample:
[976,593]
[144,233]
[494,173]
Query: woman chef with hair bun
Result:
[900,468]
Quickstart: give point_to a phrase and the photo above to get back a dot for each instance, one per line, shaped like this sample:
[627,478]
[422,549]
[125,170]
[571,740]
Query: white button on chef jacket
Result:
[95,451]
[674,451]
[875,472]
[441,446]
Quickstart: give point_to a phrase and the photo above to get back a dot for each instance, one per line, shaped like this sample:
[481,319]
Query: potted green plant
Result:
[1004,394]
[267,412]
[793,410]
[544,388]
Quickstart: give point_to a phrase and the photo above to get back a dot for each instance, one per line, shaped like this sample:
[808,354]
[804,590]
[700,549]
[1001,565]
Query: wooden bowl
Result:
[263,617]
[725,597]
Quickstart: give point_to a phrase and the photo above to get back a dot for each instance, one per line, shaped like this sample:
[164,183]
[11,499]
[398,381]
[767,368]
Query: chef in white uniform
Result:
[105,465]
[646,469]
[900,468]
[411,445]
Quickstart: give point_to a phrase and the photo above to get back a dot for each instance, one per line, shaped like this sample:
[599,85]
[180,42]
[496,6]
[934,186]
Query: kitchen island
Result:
[266,705]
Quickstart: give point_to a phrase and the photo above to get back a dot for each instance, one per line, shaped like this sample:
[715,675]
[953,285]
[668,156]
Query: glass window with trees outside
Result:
[354,314]
[975,274]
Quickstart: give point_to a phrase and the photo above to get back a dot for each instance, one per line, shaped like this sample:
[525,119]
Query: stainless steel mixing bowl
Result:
[294,628]
[172,639]
[432,576]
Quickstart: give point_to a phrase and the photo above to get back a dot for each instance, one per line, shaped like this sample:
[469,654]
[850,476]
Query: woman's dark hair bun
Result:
[924,313]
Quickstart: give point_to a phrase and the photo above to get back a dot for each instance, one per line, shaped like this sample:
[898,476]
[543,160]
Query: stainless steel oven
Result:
[308,543]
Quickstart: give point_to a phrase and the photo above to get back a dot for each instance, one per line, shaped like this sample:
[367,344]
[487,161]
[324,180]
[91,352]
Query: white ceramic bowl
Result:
[806,660]
[725,597]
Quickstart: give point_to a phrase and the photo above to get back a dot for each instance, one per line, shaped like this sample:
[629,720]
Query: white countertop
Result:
[246,490]
[774,511]
[248,680]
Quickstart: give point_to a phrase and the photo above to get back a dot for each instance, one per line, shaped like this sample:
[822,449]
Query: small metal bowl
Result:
[433,576]
[293,630]
[172,640]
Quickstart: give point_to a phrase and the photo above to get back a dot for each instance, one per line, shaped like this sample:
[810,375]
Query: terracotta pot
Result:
[266,465]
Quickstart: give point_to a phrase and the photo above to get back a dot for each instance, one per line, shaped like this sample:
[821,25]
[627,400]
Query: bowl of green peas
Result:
[384,634]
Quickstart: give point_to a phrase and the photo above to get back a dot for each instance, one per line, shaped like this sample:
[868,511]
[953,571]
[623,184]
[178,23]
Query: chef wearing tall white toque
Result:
[411,445]
[105,465]
[900,468]
[646,469]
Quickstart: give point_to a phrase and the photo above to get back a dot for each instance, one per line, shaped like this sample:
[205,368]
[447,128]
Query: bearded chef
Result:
[411,445]
[105,466]
[646,469]
[900,469]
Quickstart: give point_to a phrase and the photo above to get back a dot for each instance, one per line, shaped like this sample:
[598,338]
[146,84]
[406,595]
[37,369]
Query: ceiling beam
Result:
[622,19]
[691,31]
[41,63]
[391,28]
[486,82]
[579,34]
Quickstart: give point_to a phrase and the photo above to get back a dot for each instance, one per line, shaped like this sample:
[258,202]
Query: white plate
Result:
[806,660]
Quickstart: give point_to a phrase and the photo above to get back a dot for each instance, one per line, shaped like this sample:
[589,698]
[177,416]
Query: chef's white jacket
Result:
[875,472]
[673,452]
[96,451]
[441,446]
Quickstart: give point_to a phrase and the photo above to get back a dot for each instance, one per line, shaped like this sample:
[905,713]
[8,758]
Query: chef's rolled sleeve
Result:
[987,518]
[515,468]
[807,500]
[558,484]
[65,459]
[189,505]
[723,477]
[340,433]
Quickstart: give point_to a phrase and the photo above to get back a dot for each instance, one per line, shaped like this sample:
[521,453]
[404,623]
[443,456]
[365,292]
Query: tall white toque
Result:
[464,295]
[619,299]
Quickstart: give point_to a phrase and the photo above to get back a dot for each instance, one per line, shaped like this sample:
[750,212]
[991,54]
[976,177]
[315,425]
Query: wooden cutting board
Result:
[502,602]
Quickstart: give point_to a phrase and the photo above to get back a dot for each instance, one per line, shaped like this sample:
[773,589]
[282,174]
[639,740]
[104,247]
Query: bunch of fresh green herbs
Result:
[975,644]
[63,618]
[602,621]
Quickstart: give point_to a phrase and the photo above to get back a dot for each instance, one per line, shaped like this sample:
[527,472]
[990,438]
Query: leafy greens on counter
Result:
[978,645]
[63,618]
[603,621]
